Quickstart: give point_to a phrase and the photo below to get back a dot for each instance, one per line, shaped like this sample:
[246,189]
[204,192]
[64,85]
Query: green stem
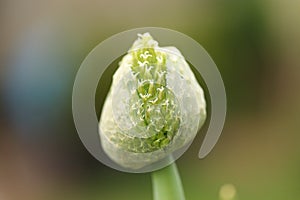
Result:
[167,184]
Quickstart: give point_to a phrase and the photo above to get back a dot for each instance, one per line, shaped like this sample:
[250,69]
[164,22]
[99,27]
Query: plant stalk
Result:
[166,184]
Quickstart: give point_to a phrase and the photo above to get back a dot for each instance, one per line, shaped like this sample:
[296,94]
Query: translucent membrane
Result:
[155,105]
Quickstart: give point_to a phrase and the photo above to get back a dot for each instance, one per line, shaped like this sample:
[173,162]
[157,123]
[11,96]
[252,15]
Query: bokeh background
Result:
[254,43]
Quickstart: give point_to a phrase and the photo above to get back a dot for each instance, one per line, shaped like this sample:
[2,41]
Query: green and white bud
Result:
[155,105]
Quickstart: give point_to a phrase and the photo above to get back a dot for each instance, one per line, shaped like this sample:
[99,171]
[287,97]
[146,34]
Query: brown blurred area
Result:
[255,44]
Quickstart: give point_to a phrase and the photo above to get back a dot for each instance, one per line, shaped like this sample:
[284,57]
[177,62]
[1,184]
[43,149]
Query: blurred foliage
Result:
[255,44]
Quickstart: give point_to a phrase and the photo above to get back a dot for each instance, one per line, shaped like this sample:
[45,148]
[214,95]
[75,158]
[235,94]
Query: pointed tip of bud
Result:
[144,40]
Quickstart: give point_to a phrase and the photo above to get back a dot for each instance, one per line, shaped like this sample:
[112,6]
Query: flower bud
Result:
[155,105]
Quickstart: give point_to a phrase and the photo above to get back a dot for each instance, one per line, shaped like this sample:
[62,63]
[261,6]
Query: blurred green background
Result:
[255,44]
